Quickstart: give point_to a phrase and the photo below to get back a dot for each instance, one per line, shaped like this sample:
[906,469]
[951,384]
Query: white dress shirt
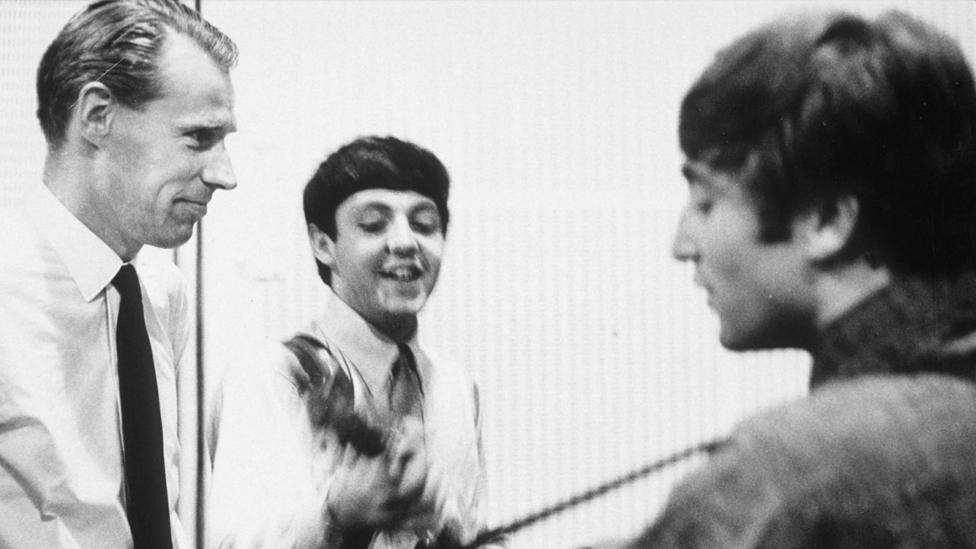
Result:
[271,471]
[61,475]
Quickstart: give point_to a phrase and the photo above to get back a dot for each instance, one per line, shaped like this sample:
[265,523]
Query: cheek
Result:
[360,254]
[722,252]
[433,249]
[730,244]
[168,169]
[434,263]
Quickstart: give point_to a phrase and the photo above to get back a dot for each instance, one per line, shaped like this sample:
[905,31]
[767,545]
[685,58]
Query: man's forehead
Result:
[192,80]
[703,171]
[387,198]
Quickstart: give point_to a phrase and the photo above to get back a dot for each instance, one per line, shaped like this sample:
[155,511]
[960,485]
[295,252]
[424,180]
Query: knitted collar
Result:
[909,326]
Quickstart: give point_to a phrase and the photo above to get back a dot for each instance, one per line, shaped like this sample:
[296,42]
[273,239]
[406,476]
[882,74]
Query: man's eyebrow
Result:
[694,174]
[222,126]
[425,206]
[373,206]
[701,174]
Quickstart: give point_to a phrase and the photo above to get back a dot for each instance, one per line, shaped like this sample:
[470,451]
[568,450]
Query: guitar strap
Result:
[330,396]
[500,532]
[330,400]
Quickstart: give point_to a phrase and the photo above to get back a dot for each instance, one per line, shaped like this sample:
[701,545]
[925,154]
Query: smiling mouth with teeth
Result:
[403,274]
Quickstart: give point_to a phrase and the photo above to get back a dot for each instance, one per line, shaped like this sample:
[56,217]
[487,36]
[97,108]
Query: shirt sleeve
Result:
[461,453]
[478,509]
[270,472]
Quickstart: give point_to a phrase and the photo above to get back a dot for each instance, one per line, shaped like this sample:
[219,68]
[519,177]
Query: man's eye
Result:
[372,225]
[202,139]
[428,223]
[700,201]
[703,207]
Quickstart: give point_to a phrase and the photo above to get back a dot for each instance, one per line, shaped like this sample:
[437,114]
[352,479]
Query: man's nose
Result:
[219,172]
[402,239]
[683,246]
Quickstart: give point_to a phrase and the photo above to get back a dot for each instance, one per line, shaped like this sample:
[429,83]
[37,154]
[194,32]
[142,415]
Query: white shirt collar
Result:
[89,260]
[368,348]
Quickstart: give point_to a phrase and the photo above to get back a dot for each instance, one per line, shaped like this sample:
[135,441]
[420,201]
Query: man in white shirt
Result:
[134,100]
[283,475]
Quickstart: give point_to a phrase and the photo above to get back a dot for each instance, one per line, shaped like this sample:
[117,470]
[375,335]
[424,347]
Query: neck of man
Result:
[844,286]
[69,174]
[400,328]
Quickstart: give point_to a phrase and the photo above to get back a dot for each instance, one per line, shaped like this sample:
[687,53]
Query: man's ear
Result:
[323,247]
[830,227]
[94,112]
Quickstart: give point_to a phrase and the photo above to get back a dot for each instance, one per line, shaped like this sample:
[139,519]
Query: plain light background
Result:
[557,121]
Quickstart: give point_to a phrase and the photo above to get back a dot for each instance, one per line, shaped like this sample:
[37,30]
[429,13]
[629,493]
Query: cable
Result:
[548,512]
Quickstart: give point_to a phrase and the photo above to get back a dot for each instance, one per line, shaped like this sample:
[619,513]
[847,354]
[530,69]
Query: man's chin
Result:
[735,341]
[404,300]
[172,238]
[405,307]
[732,345]
[755,341]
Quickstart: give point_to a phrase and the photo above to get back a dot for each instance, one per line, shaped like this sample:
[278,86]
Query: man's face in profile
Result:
[167,156]
[386,256]
[756,288]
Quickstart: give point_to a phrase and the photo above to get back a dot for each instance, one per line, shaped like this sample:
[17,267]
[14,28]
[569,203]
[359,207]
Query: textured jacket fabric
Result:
[877,462]
[907,327]
[881,454]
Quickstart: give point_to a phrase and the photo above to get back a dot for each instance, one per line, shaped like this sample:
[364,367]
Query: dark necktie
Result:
[406,389]
[142,432]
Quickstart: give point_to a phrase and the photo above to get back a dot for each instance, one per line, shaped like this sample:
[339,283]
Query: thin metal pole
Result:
[202,461]
[201,405]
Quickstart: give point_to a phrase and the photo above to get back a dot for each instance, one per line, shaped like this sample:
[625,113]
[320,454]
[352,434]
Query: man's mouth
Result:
[700,282]
[403,273]
[201,200]
[198,208]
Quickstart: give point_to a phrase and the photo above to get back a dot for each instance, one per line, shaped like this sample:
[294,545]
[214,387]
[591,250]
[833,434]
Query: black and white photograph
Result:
[523,274]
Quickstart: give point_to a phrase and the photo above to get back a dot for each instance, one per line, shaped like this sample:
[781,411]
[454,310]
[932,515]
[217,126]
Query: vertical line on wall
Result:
[201,392]
[201,408]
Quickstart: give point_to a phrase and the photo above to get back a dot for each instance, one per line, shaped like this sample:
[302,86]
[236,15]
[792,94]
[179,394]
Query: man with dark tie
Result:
[284,473]
[134,99]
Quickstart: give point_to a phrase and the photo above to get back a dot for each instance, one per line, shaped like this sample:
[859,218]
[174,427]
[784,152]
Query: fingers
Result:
[407,449]
[407,465]
[349,457]
[398,453]
[359,494]
[382,490]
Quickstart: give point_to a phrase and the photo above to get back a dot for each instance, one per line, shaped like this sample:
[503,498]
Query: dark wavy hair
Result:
[817,106]
[368,163]
[117,43]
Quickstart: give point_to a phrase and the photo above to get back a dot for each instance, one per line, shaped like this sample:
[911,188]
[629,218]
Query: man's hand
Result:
[380,491]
